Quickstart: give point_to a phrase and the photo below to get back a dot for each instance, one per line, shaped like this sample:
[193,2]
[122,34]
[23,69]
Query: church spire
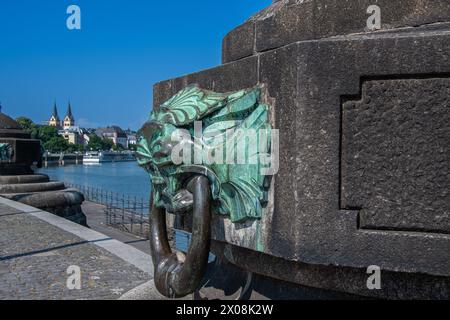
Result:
[54,120]
[55,111]
[69,120]
[69,111]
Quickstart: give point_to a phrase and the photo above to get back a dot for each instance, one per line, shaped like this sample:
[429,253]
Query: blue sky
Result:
[107,69]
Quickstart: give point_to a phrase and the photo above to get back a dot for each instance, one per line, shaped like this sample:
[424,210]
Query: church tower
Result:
[54,120]
[69,120]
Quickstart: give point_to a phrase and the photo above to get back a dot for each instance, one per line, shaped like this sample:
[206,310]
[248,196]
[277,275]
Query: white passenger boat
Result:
[105,156]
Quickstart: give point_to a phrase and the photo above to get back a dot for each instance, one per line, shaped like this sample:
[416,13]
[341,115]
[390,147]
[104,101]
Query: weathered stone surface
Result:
[317,232]
[14,133]
[346,196]
[395,285]
[224,281]
[396,155]
[279,74]
[31,187]
[12,168]
[289,21]
[64,203]
[25,151]
[35,178]
[38,192]
[232,77]
[239,43]
[307,83]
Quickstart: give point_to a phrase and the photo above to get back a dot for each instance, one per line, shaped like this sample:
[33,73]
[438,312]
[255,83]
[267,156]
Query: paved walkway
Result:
[96,220]
[37,249]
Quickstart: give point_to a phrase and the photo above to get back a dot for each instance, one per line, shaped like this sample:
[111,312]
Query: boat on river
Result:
[107,156]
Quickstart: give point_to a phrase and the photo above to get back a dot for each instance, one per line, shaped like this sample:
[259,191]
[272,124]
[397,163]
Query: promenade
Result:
[39,251]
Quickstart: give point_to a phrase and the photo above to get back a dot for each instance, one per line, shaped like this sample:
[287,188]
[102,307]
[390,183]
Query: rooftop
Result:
[6,122]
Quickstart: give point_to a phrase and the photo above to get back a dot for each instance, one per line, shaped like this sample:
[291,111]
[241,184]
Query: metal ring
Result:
[174,278]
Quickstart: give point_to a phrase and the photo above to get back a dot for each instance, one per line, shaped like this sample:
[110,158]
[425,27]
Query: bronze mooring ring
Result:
[174,278]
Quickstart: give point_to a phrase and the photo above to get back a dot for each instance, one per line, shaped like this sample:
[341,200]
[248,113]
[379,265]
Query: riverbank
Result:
[53,160]
[64,159]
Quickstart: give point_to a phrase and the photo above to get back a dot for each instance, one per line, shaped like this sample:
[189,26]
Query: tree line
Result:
[55,143]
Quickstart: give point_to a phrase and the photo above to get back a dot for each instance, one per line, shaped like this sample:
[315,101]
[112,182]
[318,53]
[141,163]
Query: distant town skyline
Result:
[106,69]
[58,116]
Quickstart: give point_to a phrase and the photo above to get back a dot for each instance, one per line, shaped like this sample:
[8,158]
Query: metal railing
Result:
[125,212]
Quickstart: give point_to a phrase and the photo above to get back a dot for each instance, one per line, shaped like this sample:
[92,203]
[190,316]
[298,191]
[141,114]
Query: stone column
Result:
[363,122]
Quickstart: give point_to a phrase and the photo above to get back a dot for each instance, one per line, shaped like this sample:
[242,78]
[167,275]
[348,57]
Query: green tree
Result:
[118,147]
[97,143]
[80,148]
[25,123]
[56,144]
[75,148]
[108,144]
[46,133]
[50,139]
[28,126]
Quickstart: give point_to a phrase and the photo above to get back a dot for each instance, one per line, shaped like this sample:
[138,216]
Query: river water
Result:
[119,177]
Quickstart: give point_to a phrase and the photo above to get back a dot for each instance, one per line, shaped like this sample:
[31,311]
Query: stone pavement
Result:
[95,216]
[37,248]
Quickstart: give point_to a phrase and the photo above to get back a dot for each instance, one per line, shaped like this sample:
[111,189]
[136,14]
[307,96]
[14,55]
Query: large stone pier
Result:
[19,183]
[362,113]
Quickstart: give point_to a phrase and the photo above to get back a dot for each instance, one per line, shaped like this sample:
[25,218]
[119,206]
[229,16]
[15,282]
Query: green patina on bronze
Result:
[5,152]
[239,190]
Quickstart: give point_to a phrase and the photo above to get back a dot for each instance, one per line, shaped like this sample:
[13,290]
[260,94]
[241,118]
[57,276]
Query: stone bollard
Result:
[19,183]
